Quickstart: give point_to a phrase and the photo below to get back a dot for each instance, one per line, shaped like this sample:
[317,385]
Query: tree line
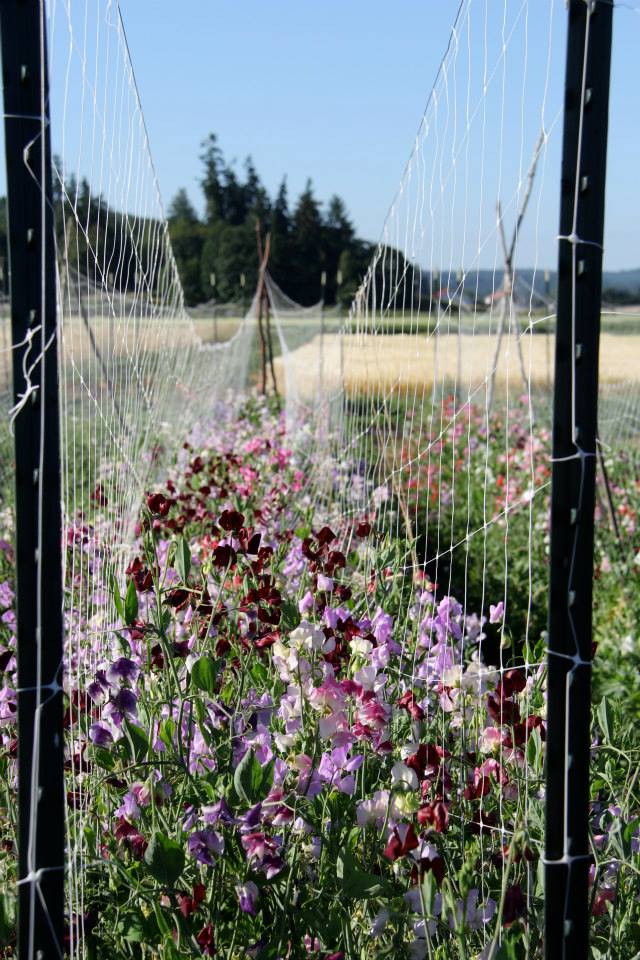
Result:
[215,251]
[309,243]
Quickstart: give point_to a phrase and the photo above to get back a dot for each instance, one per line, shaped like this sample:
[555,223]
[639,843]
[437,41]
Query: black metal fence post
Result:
[573,483]
[38,508]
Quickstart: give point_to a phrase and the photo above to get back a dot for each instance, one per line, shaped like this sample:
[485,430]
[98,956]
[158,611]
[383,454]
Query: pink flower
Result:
[496,612]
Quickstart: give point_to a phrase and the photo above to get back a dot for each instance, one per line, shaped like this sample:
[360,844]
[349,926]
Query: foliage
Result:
[263,775]
[305,241]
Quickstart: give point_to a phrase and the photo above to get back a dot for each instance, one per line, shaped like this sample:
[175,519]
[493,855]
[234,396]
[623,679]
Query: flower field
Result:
[292,748]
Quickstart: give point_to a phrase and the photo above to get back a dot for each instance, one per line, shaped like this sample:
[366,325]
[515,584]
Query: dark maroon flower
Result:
[99,497]
[269,616]
[363,529]
[205,940]
[396,847]
[177,598]
[159,504]
[436,814]
[408,702]
[231,520]
[326,535]
[253,545]
[513,681]
[515,904]
[141,576]
[307,550]
[503,711]
[224,555]
[127,834]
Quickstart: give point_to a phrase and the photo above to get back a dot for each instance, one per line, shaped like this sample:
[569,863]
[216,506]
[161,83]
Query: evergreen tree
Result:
[338,237]
[187,241]
[280,236]
[257,200]
[229,251]
[307,261]
[212,179]
[234,197]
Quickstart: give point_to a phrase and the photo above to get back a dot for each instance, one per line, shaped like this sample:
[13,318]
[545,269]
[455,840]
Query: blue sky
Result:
[335,91]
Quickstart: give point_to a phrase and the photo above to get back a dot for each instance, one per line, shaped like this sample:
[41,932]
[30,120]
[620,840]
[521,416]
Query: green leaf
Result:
[165,859]
[138,740]
[290,615]
[135,928]
[605,718]
[357,883]
[248,778]
[203,674]
[104,758]
[166,732]
[183,559]
[117,599]
[130,603]
[534,748]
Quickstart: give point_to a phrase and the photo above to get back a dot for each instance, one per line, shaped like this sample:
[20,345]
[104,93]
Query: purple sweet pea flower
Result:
[97,692]
[250,820]
[307,602]
[248,897]
[129,809]
[382,625]
[124,704]
[204,844]
[6,595]
[325,583]
[122,670]
[336,769]
[100,734]
[218,813]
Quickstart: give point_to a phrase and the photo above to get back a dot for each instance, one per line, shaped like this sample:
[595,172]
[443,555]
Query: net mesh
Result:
[425,413]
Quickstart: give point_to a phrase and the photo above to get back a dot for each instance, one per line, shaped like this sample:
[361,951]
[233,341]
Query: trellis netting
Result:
[438,404]
[422,428]
[438,407]
[136,378]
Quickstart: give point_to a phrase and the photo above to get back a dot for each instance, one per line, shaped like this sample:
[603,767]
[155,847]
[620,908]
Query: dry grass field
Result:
[407,362]
[386,361]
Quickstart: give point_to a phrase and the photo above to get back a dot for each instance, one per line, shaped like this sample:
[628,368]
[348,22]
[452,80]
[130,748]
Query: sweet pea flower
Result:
[325,584]
[122,670]
[374,809]
[496,612]
[306,603]
[7,596]
[336,769]
[401,774]
[100,734]
[203,845]
[247,897]
[382,626]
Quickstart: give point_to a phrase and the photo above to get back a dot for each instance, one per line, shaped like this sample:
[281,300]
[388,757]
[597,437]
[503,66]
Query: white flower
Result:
[362,646]
[478,679]
[366,677]
[373,810]
[400,773]
[308,636]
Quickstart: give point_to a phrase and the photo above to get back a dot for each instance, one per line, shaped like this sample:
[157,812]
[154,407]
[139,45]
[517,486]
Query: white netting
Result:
[437,406]
[136,378]
[424,413]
